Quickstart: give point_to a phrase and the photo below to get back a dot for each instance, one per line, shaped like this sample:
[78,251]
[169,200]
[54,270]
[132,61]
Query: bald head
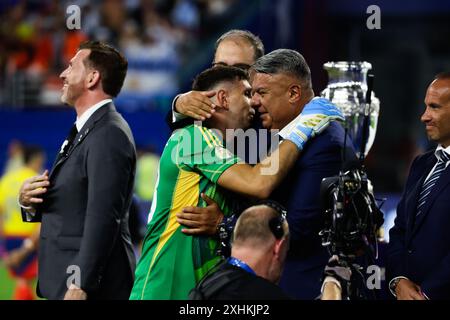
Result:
[239,48]
[261,239]
[437,112]
[253,227]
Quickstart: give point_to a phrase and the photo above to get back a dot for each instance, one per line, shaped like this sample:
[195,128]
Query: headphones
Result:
[276,223]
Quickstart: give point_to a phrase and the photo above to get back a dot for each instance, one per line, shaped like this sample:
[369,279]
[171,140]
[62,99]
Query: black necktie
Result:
[69,140]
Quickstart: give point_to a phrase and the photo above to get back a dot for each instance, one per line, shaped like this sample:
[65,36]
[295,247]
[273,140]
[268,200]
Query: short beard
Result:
[70,96]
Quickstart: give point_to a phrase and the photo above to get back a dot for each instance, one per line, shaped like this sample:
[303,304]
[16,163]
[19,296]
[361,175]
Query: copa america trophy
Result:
[347,87]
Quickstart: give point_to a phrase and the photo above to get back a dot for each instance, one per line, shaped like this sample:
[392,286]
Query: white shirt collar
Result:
[81,121]
[440,147]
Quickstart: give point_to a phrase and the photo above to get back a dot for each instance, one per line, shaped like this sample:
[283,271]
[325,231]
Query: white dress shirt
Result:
[81,120]
[440,147]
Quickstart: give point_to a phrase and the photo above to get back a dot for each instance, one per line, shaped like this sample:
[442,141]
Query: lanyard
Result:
[241,264]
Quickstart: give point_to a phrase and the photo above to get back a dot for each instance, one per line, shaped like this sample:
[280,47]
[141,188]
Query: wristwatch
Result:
[393,285]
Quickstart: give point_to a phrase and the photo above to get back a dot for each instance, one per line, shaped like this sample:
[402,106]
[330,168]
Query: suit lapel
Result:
[82,134]
[411,201]
[413,195]
[62,154]
[58,159]
[442,183]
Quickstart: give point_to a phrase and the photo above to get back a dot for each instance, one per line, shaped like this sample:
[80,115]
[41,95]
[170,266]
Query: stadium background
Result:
[168,41]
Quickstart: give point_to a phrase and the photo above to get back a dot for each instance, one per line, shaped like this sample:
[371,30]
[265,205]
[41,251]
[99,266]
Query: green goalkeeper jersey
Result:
[171,262]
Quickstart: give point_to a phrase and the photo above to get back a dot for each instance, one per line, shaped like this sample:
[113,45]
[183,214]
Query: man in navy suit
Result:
[282,85]
[419,248]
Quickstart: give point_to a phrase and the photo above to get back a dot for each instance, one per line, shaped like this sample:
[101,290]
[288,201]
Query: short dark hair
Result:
[209,78]
[255,41]
[285,61]
[443,76]
[30,152]
[111,64]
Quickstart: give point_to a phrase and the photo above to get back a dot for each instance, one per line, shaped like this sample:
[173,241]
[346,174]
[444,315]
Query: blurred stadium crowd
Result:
[157,36]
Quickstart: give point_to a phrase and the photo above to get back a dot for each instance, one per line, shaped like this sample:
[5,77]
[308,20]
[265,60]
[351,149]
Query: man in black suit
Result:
[85,250]
[419,248]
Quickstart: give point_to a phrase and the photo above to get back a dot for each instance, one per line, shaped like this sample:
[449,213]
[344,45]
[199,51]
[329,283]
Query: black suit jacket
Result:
[84,233]
[419,247]
[179,124]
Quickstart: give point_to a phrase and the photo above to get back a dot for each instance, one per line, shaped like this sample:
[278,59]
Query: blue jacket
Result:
[300,194]
[419,248]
